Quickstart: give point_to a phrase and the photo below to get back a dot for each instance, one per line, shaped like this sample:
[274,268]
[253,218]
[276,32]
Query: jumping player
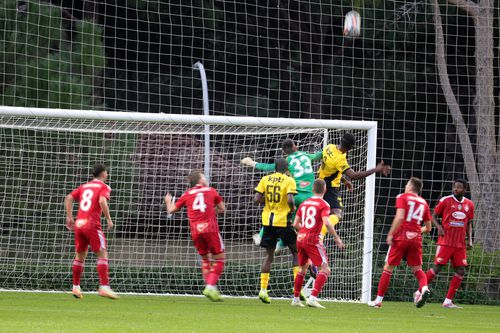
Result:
[311,216]
[455,235]
[203,204]
[405,240]
[92,198]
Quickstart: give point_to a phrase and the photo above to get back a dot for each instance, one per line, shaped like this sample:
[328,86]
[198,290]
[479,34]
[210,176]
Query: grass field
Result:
[46,312]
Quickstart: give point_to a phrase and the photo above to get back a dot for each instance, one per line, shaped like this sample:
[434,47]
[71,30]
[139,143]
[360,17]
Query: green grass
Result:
[44,312]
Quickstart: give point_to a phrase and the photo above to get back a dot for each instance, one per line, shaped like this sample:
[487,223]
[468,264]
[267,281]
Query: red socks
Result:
[103,272]
[383,284]
[77,271]
[297,285]
[422,279]
[430,276]
[215,272]
[205,268]
[319,283]
[455,283]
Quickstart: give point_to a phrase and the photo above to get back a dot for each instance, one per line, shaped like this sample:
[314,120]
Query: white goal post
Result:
[47,152]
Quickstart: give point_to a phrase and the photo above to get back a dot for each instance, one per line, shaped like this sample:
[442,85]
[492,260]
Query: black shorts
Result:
[272,234]
[332,196]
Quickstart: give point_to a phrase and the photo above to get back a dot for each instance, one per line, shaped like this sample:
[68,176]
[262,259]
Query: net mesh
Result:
[42,160]
[289,59]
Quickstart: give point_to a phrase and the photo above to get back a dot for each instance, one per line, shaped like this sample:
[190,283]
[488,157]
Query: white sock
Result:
[263,290]
[424,289]
[76,286]
[313,298]
[296,299]
[379,299]
[418,293]
[447,301]
[210,287]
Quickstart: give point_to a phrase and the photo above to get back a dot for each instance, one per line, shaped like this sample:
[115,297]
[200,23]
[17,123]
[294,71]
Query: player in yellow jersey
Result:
[276,191]
[333,166]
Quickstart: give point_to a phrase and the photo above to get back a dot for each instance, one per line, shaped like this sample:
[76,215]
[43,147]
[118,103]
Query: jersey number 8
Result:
[86,201]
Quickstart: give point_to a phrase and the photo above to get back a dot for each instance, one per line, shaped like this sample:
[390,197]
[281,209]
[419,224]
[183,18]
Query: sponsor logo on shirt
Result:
[456,224]
[411,234]
[459,215]
[304,183]
[201,226]
[300,237]
[466,208]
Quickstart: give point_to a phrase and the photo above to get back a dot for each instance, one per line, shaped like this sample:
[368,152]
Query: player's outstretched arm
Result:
[259,166]
[315,156]
[382,168]
[171,208]
[68,203]
[398,219]
[103,202]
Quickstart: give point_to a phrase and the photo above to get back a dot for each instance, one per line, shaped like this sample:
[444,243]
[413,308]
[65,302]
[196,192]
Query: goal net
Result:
[47,153]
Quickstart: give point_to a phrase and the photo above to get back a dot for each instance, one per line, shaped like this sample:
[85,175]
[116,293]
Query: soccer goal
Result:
[46,152]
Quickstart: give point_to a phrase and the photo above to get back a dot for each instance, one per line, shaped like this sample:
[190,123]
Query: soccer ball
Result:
[352,24]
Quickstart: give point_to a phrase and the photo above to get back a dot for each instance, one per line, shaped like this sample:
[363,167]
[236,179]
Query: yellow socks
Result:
[264,280]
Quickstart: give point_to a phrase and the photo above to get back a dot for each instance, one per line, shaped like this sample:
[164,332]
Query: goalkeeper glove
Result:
[248,162]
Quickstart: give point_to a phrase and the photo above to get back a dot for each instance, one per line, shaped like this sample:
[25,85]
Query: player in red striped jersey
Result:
[455,230]
[311,216]
[203,203]
[405,240]
[92,198]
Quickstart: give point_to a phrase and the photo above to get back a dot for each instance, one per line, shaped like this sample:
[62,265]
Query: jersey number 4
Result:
[199,203]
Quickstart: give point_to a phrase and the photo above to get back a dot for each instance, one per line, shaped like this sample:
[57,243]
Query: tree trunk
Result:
[487,223]
[483,168]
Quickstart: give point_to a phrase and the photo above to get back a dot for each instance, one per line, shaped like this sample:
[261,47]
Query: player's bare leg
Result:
[323,274]
[422,281]
[298,282]
[264,276]
[455,283]
[103,272]
[77,269]
[213,276]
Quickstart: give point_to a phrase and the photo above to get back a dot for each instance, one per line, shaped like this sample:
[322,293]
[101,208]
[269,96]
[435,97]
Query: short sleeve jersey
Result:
[456,215]
[311,213]
[89,209]
[200,202]
[416,211]
[275,189]
[333,165]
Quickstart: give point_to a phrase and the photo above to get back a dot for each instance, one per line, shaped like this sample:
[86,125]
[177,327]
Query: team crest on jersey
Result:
[201,226]
[459,207]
